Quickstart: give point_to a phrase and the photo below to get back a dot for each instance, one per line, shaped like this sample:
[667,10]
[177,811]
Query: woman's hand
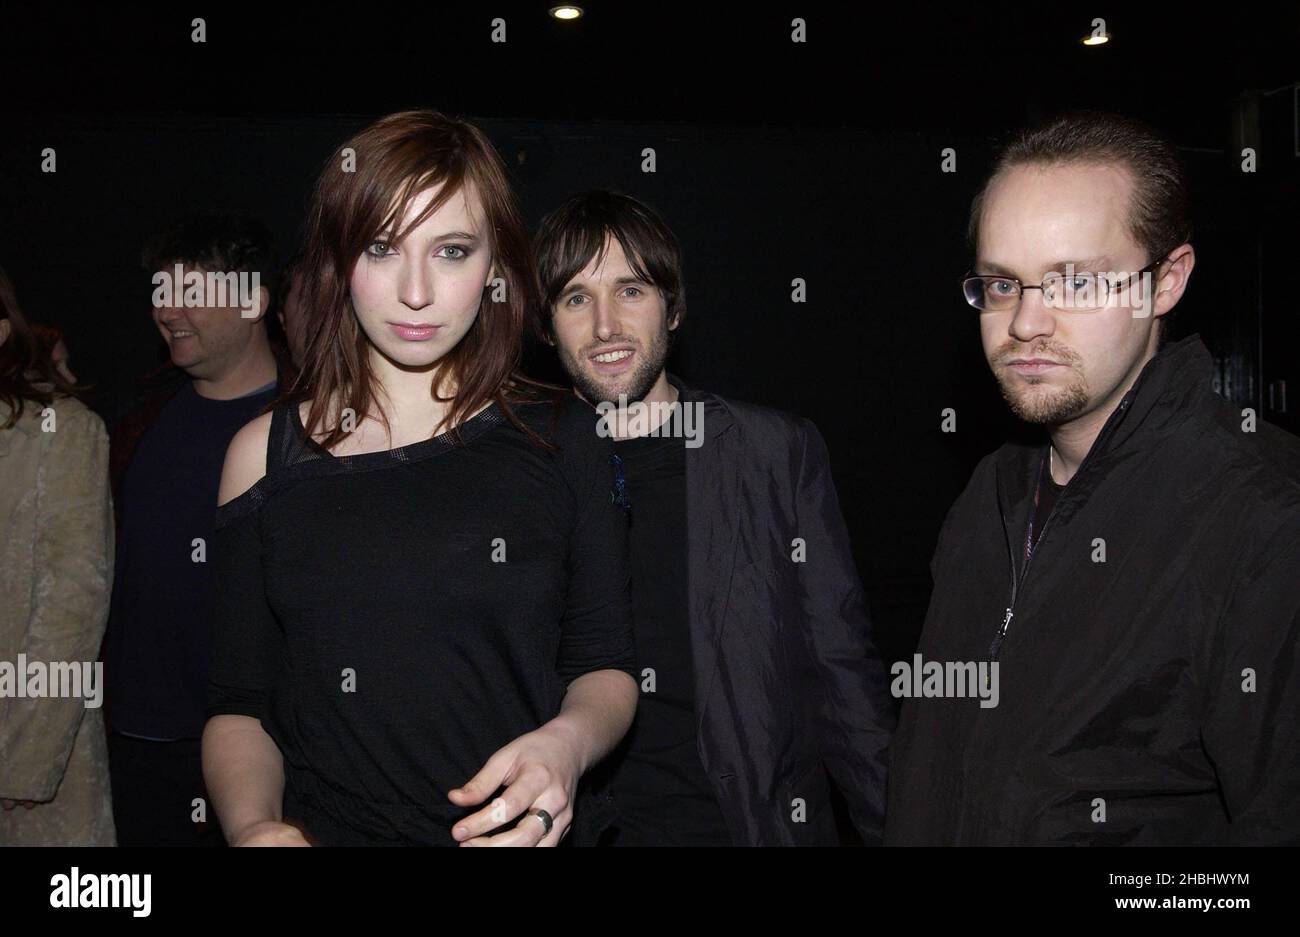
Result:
[541,770]
[270,833]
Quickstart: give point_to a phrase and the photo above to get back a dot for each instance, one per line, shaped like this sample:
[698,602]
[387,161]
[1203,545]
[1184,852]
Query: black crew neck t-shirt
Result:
[395,618]
[660,789]
[160,636]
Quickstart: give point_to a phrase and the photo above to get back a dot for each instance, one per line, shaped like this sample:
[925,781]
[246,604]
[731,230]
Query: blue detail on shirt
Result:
[619,492]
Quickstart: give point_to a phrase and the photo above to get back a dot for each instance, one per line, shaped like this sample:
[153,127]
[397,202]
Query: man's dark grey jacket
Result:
[1150,674]
[788,684]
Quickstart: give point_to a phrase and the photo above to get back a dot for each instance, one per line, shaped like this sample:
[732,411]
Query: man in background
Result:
[759,675]
[167,455]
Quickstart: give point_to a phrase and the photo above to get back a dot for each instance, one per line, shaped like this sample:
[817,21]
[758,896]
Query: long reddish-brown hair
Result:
[26,371]
[365,190]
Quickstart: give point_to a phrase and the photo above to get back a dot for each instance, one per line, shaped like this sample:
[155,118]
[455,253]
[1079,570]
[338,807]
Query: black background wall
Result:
[774,161]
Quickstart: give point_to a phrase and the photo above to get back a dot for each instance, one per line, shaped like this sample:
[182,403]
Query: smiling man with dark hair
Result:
[167,454]
[758,673]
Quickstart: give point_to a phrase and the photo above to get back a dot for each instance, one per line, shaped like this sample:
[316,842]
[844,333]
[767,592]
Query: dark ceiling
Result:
[969,70]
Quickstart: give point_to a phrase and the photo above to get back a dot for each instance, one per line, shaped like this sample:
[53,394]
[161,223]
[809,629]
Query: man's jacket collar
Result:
[717,415]
[1164,395]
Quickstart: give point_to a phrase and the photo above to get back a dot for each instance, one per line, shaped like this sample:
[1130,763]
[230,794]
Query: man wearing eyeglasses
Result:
[1135,578]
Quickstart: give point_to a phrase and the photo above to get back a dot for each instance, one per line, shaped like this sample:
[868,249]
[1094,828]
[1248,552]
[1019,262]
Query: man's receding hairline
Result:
[1068,161]
[1065,161]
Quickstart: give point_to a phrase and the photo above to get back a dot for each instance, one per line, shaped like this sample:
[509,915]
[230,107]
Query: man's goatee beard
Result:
[1053,410]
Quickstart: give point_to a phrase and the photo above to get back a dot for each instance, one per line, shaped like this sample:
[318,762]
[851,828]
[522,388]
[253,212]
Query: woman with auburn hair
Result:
[56,577]
[423,622]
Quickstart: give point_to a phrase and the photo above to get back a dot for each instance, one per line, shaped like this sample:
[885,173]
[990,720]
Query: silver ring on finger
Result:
[547,820]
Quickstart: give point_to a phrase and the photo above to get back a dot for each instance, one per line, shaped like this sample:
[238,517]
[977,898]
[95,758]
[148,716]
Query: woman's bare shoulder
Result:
[245,459]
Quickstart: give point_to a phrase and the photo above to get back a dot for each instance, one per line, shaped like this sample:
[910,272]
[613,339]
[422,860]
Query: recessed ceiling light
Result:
[566,12]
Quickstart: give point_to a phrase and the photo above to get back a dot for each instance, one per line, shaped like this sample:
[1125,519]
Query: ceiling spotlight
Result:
[1097,40]
[566,12]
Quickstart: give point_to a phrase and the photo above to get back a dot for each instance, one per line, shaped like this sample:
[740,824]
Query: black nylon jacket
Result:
[1150,698]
